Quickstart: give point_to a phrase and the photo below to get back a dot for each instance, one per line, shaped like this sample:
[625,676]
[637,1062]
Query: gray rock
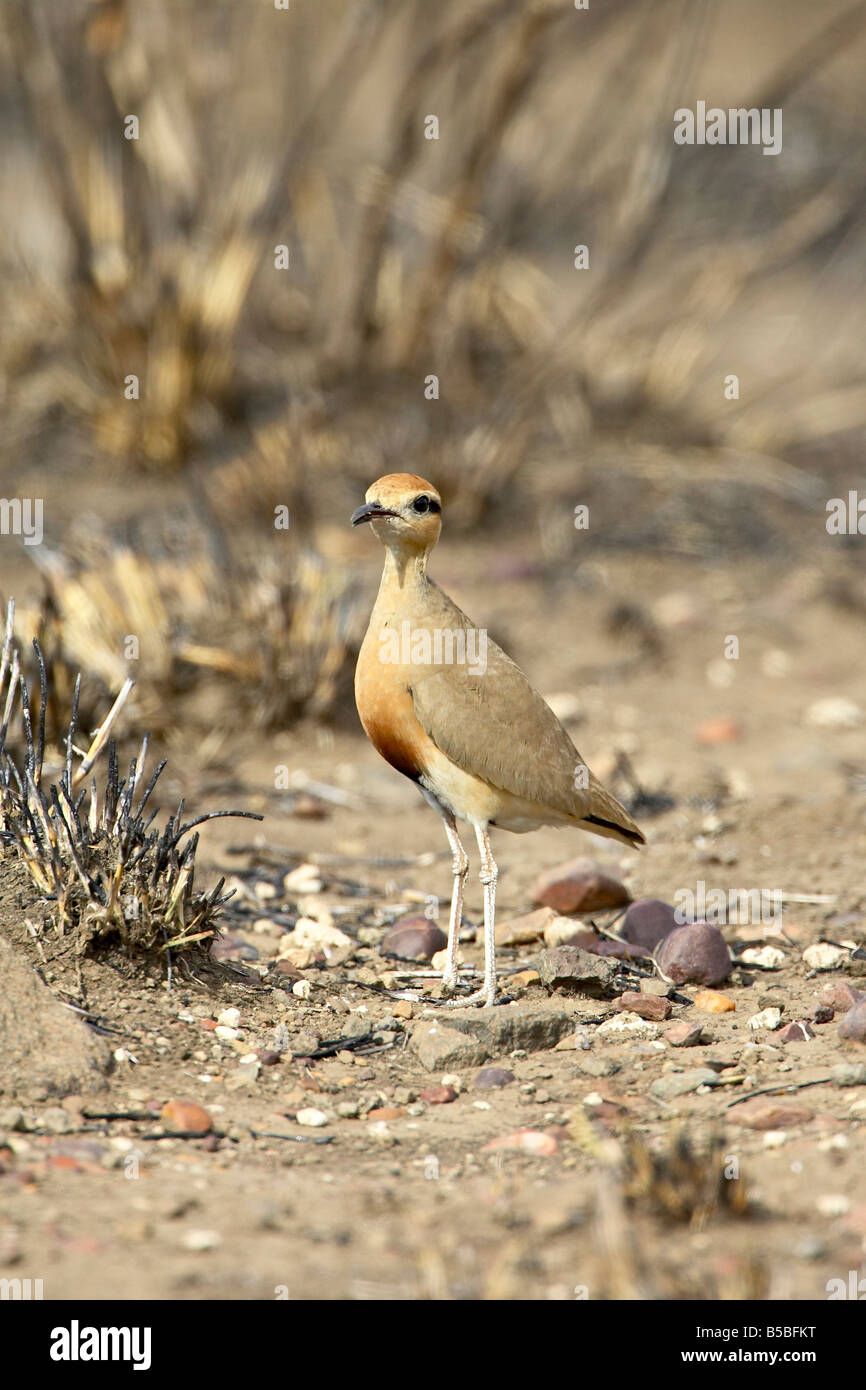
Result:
[438,1046]
[682,1082]
[598,1066]
[844,1074]
[41,1043]
[502,1030]
[570,970]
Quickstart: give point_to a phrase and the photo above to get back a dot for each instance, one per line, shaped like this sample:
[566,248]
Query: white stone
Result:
[767,1018]
[313,1119]
[625,1026]
[834,712]
[824,956]
[768,957]
[230,1018]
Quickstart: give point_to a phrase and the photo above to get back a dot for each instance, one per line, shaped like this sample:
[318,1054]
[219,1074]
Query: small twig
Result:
[779,1090]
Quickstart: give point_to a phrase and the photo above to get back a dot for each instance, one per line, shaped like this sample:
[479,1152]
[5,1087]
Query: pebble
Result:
[230,1018]
[523,979]
[438,1095]
[767,1018]
[683,1082]
[201,1240]
[267,1056]
[312,1118]
[528,1141]
[763,1112]
[529,926]
[694,954]
[386,1112]
[710,1001]
[766,957]
[798,1031]
[319,936]
[832,1204]
[684,1034]
[647,922]
[437,1046]
[713,732]
[348,1109]
[626,1026]
[580,885]
[302,989]
[824,956]
[414,938]
[226,1033]
[491,1078]
[841,996]
[560,931]
[598,1066]
[570,970]
[645,1005]
[186,1116]
[834,712]
[853,1025]
[303,879]
[845,1074]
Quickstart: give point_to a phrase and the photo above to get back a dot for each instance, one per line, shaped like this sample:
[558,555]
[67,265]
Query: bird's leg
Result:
[489,873]
[459,868]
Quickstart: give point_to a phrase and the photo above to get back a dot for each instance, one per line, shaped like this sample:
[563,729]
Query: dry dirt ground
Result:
[413,1204]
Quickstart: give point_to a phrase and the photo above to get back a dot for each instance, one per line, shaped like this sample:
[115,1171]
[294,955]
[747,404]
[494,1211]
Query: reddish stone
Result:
[646,1005]
[579,886]
[184,1116]
[841,996]
[438,1095]
[798,1031]
[684,1034]
[387,1112]
[853,1025]
[762,1112]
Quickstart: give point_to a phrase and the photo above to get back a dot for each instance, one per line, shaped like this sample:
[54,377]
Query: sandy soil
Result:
[415,1205]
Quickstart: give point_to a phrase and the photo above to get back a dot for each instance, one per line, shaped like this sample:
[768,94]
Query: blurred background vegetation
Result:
[408,257]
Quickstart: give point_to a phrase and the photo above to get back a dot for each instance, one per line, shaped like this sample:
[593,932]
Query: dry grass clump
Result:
[255,620]
[97,856]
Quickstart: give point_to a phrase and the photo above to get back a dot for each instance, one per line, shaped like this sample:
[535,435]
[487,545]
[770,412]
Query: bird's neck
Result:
[404,571]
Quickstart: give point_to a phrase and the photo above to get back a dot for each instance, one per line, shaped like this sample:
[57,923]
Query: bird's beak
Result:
[369,512]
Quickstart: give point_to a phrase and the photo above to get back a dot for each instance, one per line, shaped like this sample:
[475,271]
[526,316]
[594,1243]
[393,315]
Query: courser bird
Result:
[445,706]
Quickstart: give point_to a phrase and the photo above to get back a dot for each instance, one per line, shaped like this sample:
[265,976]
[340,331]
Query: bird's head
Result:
[404,511]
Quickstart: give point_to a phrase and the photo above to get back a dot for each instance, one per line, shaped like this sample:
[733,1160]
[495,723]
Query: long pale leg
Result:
[459,868]
[489,873]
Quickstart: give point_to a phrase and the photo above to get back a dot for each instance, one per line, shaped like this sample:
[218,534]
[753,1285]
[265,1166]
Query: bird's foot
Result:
[482,998]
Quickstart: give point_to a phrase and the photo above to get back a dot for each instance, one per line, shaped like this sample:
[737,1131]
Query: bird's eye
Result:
[421,504]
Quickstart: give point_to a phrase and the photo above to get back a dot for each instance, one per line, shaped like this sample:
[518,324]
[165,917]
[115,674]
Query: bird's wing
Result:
[497,727]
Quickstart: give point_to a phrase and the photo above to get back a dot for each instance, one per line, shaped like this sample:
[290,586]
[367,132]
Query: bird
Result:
[445,706]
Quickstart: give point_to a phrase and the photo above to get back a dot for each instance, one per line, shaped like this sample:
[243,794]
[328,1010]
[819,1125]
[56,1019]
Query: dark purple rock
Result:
[414,938]
[491,1078]
[696,954]
[648,921]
